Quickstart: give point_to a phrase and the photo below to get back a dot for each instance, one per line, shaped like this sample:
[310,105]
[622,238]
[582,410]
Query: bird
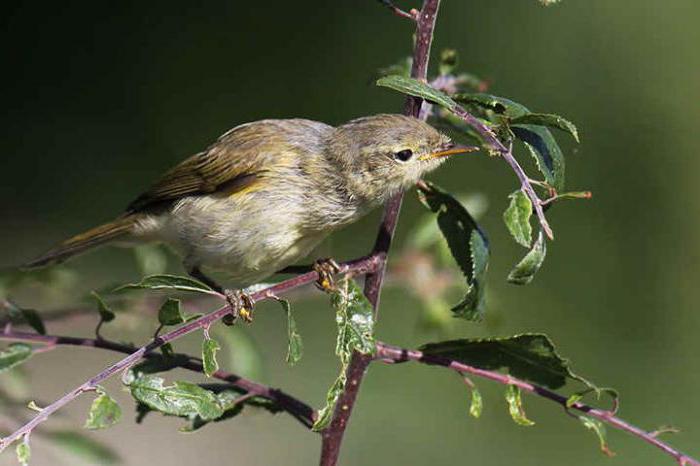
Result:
[266,193]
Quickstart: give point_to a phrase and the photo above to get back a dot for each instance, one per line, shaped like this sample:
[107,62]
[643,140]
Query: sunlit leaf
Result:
[169,282]
[170,313]
[104,412]
[209,350]
[295,346]
[525,270]
[416,88]
[477,404]
[517,218]
[83,447]
[530,356]
[515,406]
[468,244]
[14,355]
[548,119]
[599,429]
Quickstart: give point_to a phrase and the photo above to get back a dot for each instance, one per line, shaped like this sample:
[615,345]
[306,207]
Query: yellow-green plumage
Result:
[266,193]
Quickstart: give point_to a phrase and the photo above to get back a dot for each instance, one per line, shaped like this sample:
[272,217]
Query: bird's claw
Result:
[326,268]
[241,305]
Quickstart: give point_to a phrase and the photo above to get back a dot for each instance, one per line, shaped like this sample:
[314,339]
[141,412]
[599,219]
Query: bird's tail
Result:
[97,236]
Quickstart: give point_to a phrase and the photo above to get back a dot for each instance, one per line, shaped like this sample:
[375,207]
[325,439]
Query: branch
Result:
[359,266]
[396,354]
[295,407]
[333,435]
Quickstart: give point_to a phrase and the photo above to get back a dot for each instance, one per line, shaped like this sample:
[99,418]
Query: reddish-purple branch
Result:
[396,354]
[332,436]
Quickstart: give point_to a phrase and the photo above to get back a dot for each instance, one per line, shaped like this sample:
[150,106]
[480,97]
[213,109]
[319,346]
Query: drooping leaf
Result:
[468,244]
[24,452]
[295,346]
[548,119]
[169,282]
[416,88]
[167,350]
[209,350]
[183,399]
[525,270]
[106,314]
[515,406]
[599,429]
[104,412]
[449,58]
[14,355]
[170,313]
[83,446]
[530,356]
[517,218]
[496,104]
[545,150]
[355,321]
[477,404]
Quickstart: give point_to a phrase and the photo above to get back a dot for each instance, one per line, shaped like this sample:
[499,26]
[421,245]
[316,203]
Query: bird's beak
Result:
[449,149]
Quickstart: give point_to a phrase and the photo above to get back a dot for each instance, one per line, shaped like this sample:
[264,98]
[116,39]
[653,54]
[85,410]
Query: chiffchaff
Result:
[266,193]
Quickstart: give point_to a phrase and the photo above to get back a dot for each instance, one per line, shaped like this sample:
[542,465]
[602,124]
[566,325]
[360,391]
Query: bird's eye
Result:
[404,155]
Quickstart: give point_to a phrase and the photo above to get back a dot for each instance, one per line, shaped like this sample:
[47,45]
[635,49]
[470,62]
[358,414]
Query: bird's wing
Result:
[234,162]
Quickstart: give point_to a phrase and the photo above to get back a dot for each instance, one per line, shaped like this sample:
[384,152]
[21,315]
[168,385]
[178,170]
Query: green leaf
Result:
[599,429]
[170,313]
[545,150]
[517,218]
[525,270]
[106,314]
[83,446]
[104,412]
[402,68]
[24,452]
[515,406]
[355,320]
[468,244]
[27,316]
[548,119]
[416,88]
[14,355]
[183,399]
[209,349]
[295,347]
[448,61]
[167,350]
[499,105]
[530,356]
[169,282]
[477,404]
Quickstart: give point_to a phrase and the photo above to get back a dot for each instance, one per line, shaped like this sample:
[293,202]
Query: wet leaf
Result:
[517,218]
[525,270]
[515,406]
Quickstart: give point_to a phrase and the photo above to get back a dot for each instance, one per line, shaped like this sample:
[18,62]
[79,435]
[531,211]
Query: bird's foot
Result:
[326,268]
[241,305]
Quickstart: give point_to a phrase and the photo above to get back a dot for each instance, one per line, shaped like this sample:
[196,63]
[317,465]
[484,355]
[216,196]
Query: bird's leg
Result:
[326,268]
[240,302]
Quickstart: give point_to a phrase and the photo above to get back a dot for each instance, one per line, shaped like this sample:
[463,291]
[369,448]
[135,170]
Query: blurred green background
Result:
[101,97]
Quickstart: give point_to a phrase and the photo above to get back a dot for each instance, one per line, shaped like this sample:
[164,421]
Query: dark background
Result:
[99,98]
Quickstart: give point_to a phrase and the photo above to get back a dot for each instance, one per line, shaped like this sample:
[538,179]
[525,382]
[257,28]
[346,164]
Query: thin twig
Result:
[397,354]
[332,436]
[363,265]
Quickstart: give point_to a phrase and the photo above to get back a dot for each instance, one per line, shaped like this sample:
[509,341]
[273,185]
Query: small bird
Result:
[266,193]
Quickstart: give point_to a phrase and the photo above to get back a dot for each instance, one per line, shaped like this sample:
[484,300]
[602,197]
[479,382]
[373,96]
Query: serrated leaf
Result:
[530,356]
[525,270]
[295,346]
[477,404]
[599,429]
[355,321]
[104,412]
[515,406]
[24,452]
[169,282]
[106,314]
[183,399]
[517,218]
[14,355]
[209,349]
[448,61]
[83,446]
[467,243]
[416,88]
[170,313]
[548,119]
[545,150]
[496,104]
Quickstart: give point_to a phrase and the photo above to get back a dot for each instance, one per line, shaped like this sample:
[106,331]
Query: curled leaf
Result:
[599,429]
[525,270]
[209,350]
[515,406]
[517,218]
